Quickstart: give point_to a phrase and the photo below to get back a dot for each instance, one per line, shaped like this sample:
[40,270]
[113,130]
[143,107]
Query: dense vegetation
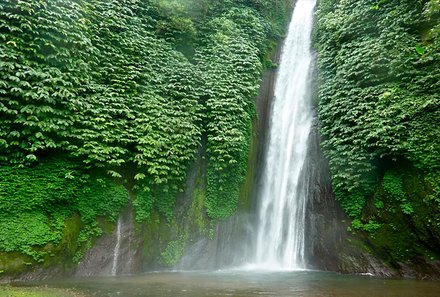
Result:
[379,93]
[101,95]
[35,202]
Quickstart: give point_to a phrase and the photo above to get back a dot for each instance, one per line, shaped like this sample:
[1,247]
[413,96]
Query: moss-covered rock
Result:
[54,254]
[408,210]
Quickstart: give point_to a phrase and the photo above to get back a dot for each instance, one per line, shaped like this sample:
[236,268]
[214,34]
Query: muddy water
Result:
[249,284]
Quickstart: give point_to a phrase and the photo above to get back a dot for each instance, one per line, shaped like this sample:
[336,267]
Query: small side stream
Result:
[117,249]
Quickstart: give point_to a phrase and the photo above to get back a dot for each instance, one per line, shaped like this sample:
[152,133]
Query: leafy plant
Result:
[174,251]
[378,92]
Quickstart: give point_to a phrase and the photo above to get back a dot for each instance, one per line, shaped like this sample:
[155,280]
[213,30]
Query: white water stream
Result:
[117,249]
[283,197]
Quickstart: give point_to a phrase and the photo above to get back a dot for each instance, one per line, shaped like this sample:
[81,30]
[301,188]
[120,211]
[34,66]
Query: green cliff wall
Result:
[379,99]
[108,103]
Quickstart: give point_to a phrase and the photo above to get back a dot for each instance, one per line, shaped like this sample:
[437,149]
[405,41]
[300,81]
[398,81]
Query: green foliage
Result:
[196,213]
[162,198]
[434,181]
[407,209]
[125,90]
[143,205]
[25,231]
[106,82]
[84,240]
[378,94]
[175,22]
[35,202]
[76,77]
[174,251]
[379,99]
[231,67]
[47,186]
[393,186]
[100,197]
[370,226]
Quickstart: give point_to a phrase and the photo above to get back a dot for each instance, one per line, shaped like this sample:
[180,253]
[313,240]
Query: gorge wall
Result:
[378,97]
[87,138]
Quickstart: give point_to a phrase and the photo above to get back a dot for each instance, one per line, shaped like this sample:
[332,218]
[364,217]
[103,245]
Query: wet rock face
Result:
[331,247]
[226,249]
[98,261]
[325,228]
[114,253]
[420,269]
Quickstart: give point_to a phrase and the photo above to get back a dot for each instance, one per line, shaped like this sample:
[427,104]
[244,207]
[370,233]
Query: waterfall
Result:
[283,196]
[117,249]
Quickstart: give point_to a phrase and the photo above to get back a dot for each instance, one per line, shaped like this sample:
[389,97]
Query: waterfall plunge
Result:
[283,197]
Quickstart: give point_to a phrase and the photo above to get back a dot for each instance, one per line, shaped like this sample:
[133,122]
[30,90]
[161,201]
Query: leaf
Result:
[139,176]
[420,50]
[114,174]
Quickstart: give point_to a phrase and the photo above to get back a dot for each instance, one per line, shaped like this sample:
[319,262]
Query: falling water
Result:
[117,249]
[283,197]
